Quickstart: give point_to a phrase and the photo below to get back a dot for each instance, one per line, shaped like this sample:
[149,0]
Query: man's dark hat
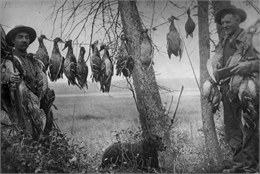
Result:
[232,9]
[20,28]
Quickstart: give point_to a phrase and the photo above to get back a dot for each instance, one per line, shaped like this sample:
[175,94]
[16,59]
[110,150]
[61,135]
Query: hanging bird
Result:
[106,70]
[82,69]
[147,49]
[70,64]
[95,62]
[190,25]
[124,61]
[42,53]
[56,62]
[174,42]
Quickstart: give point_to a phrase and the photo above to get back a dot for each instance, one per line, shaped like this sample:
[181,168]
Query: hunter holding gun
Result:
[24,84]
[235,67]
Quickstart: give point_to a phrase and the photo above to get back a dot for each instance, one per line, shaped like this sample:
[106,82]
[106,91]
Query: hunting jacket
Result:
[239,42]
[29,68]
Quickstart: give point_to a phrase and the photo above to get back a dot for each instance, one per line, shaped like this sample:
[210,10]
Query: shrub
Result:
[50,154]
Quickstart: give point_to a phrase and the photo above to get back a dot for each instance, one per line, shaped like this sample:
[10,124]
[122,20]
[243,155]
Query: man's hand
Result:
[243,68]
[14,77]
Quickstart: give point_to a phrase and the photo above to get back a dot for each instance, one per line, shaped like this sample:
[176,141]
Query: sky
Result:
[36,14]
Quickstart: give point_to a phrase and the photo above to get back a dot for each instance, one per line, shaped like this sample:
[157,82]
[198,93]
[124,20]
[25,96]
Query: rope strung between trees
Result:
[189,59]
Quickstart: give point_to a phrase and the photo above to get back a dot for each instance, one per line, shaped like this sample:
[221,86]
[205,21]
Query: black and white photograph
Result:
[130,86]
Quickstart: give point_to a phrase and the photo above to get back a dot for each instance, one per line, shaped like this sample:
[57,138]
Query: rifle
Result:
[17,98]
[7,53]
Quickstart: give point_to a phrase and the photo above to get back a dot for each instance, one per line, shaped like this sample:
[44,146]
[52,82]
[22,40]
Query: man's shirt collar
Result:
[20,53]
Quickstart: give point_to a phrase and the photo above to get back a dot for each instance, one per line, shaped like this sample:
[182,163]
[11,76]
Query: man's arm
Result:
[246,67]
[7,73]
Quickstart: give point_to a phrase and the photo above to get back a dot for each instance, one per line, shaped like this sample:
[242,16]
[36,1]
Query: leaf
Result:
[73,159]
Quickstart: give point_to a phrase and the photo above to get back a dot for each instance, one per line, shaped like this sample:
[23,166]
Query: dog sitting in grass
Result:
[143,155]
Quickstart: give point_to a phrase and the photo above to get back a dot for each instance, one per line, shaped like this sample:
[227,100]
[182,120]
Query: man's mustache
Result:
[24,44]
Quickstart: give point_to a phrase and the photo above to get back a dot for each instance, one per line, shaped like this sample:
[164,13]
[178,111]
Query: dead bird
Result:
[95,62]
[82,69]
[174,42]
[189,25]
[42,53]
[56,61]
[107,70]
[124,61]
[70,64]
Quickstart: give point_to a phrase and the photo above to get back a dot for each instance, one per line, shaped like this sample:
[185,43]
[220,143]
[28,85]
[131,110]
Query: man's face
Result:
[21,41]
[229,24]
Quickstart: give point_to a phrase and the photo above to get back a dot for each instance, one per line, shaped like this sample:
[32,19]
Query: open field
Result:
[93,118]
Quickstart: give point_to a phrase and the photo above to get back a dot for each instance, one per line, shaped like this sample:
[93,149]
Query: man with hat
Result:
[22,74]
[241,135]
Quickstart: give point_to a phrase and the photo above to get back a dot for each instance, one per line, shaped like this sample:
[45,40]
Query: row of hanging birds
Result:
[102,69]
[174,42]
[76,71]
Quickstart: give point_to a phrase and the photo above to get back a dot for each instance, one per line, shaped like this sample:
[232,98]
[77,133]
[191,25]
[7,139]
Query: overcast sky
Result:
[35,13]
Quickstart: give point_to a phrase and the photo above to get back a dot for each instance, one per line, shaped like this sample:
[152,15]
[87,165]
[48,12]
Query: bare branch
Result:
[252,5]
[93,23]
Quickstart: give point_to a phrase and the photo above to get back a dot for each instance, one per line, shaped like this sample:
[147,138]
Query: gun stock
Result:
[224,73]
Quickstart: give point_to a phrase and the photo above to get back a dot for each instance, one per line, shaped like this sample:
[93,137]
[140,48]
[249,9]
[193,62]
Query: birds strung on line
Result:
[107,69]
[124,61]
[56,61]
[70,64]
[174,42]
[42,53]
[189,25]
[95,62]
[82,69]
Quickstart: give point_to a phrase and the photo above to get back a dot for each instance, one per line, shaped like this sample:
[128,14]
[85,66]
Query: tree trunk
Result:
[212,146]
[149,102]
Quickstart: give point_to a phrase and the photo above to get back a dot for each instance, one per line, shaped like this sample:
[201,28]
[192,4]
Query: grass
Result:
[97,118]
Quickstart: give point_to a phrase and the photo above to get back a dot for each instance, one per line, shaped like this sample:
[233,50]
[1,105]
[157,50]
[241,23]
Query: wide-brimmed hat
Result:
[20,28]
[232,9]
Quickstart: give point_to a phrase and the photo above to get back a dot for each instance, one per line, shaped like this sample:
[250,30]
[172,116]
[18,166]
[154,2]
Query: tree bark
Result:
[149,104]
[212,146]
